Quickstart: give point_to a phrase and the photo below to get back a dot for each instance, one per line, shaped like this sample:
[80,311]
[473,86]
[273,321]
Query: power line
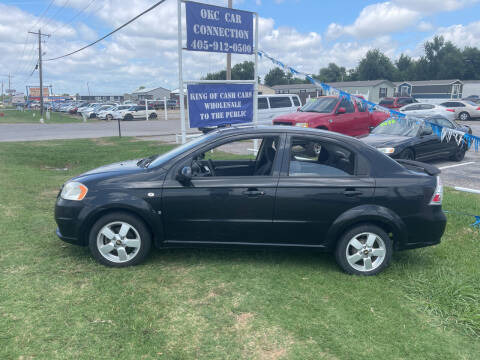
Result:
[74,17]
[110,33]
[58,11]
[43,13]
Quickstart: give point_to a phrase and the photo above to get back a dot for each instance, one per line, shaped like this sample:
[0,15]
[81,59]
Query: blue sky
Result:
[306,34]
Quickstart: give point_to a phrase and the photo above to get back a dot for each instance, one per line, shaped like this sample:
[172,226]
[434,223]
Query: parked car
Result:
[106,113]
[334,114]
[350,199]
[89,109]
[119,112]
[415,140]
[426,110]
[138,112]
[464,109]
[396,102]
[269,107]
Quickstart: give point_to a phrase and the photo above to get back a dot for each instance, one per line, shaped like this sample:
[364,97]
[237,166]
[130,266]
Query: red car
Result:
[396,102]
[335,114]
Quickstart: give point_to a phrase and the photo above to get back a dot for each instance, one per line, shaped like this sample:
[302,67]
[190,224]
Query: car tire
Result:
[464,116]
[109,117]
[111,236]
[152,116]
[407,154]
[364,250]
[128,117]
[459,154]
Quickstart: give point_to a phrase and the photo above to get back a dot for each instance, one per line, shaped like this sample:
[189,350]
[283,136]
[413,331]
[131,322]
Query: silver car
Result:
[464,109]
[426,110]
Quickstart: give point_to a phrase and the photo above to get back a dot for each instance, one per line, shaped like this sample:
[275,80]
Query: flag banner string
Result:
[444,133]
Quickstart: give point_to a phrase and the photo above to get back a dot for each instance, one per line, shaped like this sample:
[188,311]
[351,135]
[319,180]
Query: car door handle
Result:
[352,192]
[253,193]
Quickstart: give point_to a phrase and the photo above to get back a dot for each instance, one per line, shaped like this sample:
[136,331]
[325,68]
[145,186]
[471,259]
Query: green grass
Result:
[33,116]
[56,302]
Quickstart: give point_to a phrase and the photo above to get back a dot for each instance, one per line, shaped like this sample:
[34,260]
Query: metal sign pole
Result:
[146,109]
[180,72]
[255,91]
[165,107]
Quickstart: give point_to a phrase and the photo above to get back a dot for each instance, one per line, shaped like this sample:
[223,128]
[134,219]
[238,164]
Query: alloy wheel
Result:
[365,252]
[118,242]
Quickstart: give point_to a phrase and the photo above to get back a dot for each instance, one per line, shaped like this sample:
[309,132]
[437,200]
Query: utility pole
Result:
[3,97]
[40,67]
[229,55]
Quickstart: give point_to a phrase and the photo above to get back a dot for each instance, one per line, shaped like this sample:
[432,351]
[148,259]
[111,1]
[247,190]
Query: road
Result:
[94,129]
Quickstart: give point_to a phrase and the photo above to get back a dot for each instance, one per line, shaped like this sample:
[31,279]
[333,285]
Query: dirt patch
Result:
[242,320]
[102,142]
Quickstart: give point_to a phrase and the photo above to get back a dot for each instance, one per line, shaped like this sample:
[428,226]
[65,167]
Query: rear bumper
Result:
[425,230]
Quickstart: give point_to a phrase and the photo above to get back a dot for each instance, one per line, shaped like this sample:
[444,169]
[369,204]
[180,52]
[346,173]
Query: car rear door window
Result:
[280,102]
[309,157]
[426,106]
[296,102]
[411,108]
[262,103]
[361,106]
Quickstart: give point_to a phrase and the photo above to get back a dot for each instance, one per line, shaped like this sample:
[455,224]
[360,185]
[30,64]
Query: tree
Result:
[405,68]
[376,65]
[332,73]
[275,76]
[241,71]
[444,60]
[471,59]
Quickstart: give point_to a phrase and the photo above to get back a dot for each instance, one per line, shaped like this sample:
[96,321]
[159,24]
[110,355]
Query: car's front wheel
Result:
[364,250]
[119,239]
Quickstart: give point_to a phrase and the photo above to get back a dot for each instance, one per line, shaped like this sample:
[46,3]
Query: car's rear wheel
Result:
[152,116]
[364,250]
[128,117]
[119,239]
[407,154]
[464,116]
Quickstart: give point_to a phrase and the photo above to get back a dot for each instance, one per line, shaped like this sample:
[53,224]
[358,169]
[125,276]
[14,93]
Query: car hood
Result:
[384,140]
[301,116]
[129,165]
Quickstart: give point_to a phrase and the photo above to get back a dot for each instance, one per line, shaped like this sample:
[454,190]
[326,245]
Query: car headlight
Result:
[74,191]
[304,124]
[387,150]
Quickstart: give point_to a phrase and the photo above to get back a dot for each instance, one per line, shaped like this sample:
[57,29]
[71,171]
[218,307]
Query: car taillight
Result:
[451,110]
[478,108]
[438,194]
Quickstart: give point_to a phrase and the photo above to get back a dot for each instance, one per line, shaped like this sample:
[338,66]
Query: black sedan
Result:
[219,191]
[415,140]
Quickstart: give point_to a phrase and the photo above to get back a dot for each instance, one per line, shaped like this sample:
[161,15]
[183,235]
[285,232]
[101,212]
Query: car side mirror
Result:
[341,110]
[184,176]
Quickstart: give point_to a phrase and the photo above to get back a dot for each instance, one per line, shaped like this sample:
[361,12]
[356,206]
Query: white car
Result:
[464,109]
[137,112]
[106,114]
[89,109]
[271,106]
[120,112]
[423,110]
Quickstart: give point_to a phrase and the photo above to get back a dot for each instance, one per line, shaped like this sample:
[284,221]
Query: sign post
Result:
[223,30]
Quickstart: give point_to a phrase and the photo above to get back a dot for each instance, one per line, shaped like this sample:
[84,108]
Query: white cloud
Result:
[431,6]
[424,26]
[383,18]
[462,35]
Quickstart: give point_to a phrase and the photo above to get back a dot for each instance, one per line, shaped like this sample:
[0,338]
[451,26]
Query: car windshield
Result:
[399,128]
[469,102]
[157,160]
[321,105]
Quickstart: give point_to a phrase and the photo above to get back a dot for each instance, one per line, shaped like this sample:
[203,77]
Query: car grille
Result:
[283,123]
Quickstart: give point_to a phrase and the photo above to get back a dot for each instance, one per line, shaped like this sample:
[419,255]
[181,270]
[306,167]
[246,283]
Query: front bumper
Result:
[68,215]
